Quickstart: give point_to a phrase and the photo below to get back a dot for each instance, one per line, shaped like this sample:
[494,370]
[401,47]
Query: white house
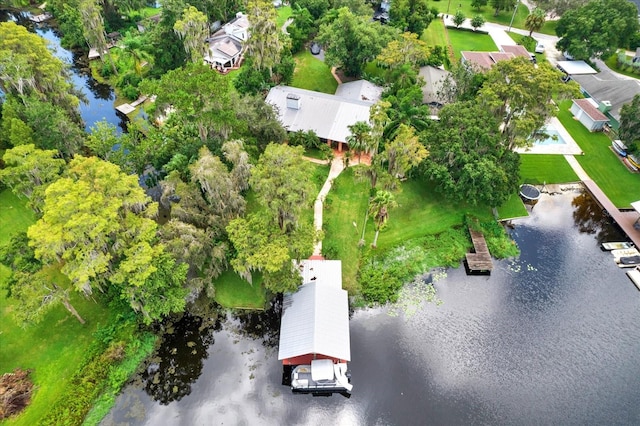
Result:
[226,46]
[329,116]
[587,112]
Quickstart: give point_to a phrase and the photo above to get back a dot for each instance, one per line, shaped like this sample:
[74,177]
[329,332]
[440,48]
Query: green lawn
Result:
[549,168]
[600,163]
[313,74]
[14,215]
[420,212]
[504,17]
[284,13]
[512,208]
[232,291]
[612,62]
[467,40]
[435,34]
[549,28]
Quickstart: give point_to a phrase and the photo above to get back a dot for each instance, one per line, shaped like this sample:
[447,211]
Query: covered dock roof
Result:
[315,319]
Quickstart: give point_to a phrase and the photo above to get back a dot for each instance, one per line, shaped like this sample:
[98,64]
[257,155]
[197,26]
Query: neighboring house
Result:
[483,61]
[142,25]
[587,112]
[382,12]
[517,50]
[433,78]
[609,91]
[315,319]
[329,116]
[226,45]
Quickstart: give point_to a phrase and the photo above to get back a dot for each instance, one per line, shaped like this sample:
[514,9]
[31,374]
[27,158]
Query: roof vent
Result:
[605,106]
[293,101]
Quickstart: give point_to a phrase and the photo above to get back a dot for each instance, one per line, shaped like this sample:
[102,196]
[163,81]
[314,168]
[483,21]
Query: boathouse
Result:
[315,319]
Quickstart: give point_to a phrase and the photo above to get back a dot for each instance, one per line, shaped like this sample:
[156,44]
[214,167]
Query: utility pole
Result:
[512,16]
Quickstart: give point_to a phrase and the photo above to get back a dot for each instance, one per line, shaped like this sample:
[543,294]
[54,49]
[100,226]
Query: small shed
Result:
[586,111]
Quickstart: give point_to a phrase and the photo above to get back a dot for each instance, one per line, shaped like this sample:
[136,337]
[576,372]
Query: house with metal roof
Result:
[433,79]
[329,116]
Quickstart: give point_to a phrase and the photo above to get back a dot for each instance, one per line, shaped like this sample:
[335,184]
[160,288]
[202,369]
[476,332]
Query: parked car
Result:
[539,48]
[315,48]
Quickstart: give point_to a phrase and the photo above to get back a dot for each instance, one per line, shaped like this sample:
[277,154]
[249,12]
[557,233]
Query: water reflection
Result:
[260,325]
[593,219]
[179,361]
[548,338]
[99,97]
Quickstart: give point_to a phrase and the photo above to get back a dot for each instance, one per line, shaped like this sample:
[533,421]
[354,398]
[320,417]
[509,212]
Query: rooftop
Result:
[606,86]
[315,319]
[576,67]
[590,109]
[327,115]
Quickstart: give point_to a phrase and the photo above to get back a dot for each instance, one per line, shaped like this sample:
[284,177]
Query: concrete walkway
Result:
[337,166]
[582,175]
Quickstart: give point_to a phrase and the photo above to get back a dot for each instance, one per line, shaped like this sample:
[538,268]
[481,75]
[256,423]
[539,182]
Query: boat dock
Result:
[129,108]
[479,261]
[625,220]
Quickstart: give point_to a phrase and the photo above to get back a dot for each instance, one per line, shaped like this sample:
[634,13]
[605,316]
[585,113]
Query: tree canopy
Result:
[597,29]
[350,41]
[468,158]
[95,224]
[519,95]
[629,131]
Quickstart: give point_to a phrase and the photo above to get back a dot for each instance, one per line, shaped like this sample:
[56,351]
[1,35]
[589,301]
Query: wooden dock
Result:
[625,220]
[480,261]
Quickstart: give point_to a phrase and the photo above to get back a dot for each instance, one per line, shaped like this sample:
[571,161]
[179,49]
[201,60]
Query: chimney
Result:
[293,101]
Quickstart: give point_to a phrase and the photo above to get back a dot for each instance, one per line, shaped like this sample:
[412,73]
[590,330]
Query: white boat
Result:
[618,254]
[618,245]
[634,276]
[322,377]
[619,147]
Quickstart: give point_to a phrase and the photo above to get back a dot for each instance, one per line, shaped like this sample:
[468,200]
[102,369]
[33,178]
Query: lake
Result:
[548,338]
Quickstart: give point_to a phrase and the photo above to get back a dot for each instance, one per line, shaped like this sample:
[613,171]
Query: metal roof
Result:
[327,115]
[433,78]
[360,90]
[606,86]
[315,319]
[576,67]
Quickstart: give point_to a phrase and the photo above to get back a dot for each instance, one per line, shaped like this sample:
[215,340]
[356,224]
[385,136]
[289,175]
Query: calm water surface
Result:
[549,338]
[99,97]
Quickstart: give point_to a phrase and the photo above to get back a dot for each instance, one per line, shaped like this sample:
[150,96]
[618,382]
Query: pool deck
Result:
[570,147]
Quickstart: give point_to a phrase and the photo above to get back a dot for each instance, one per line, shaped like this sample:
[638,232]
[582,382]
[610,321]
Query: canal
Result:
[99,97]
[548,338]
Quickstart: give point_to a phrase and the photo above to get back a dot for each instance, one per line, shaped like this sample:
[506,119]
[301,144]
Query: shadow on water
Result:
[178,362]
[590,218]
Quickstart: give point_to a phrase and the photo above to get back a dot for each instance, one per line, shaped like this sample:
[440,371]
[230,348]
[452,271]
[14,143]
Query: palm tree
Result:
[359,138]
[535,20]
[379,207]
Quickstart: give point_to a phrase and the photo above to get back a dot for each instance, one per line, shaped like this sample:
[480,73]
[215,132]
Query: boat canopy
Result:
[321,369]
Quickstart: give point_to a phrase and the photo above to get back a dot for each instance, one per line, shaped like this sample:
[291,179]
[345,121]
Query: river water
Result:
[99,97]
[549,338]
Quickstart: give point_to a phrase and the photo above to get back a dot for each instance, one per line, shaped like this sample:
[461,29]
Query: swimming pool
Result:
[554,137]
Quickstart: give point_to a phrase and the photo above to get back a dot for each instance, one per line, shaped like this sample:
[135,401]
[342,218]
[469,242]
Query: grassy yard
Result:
[512,208]
[232,291]
[284,12]
[435,34]
[13,212]
[612,62]
[504,17]
[420,212]
[549,28]
[313,74]
[549,168]
[52,357]
[467,40]
[601,164]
